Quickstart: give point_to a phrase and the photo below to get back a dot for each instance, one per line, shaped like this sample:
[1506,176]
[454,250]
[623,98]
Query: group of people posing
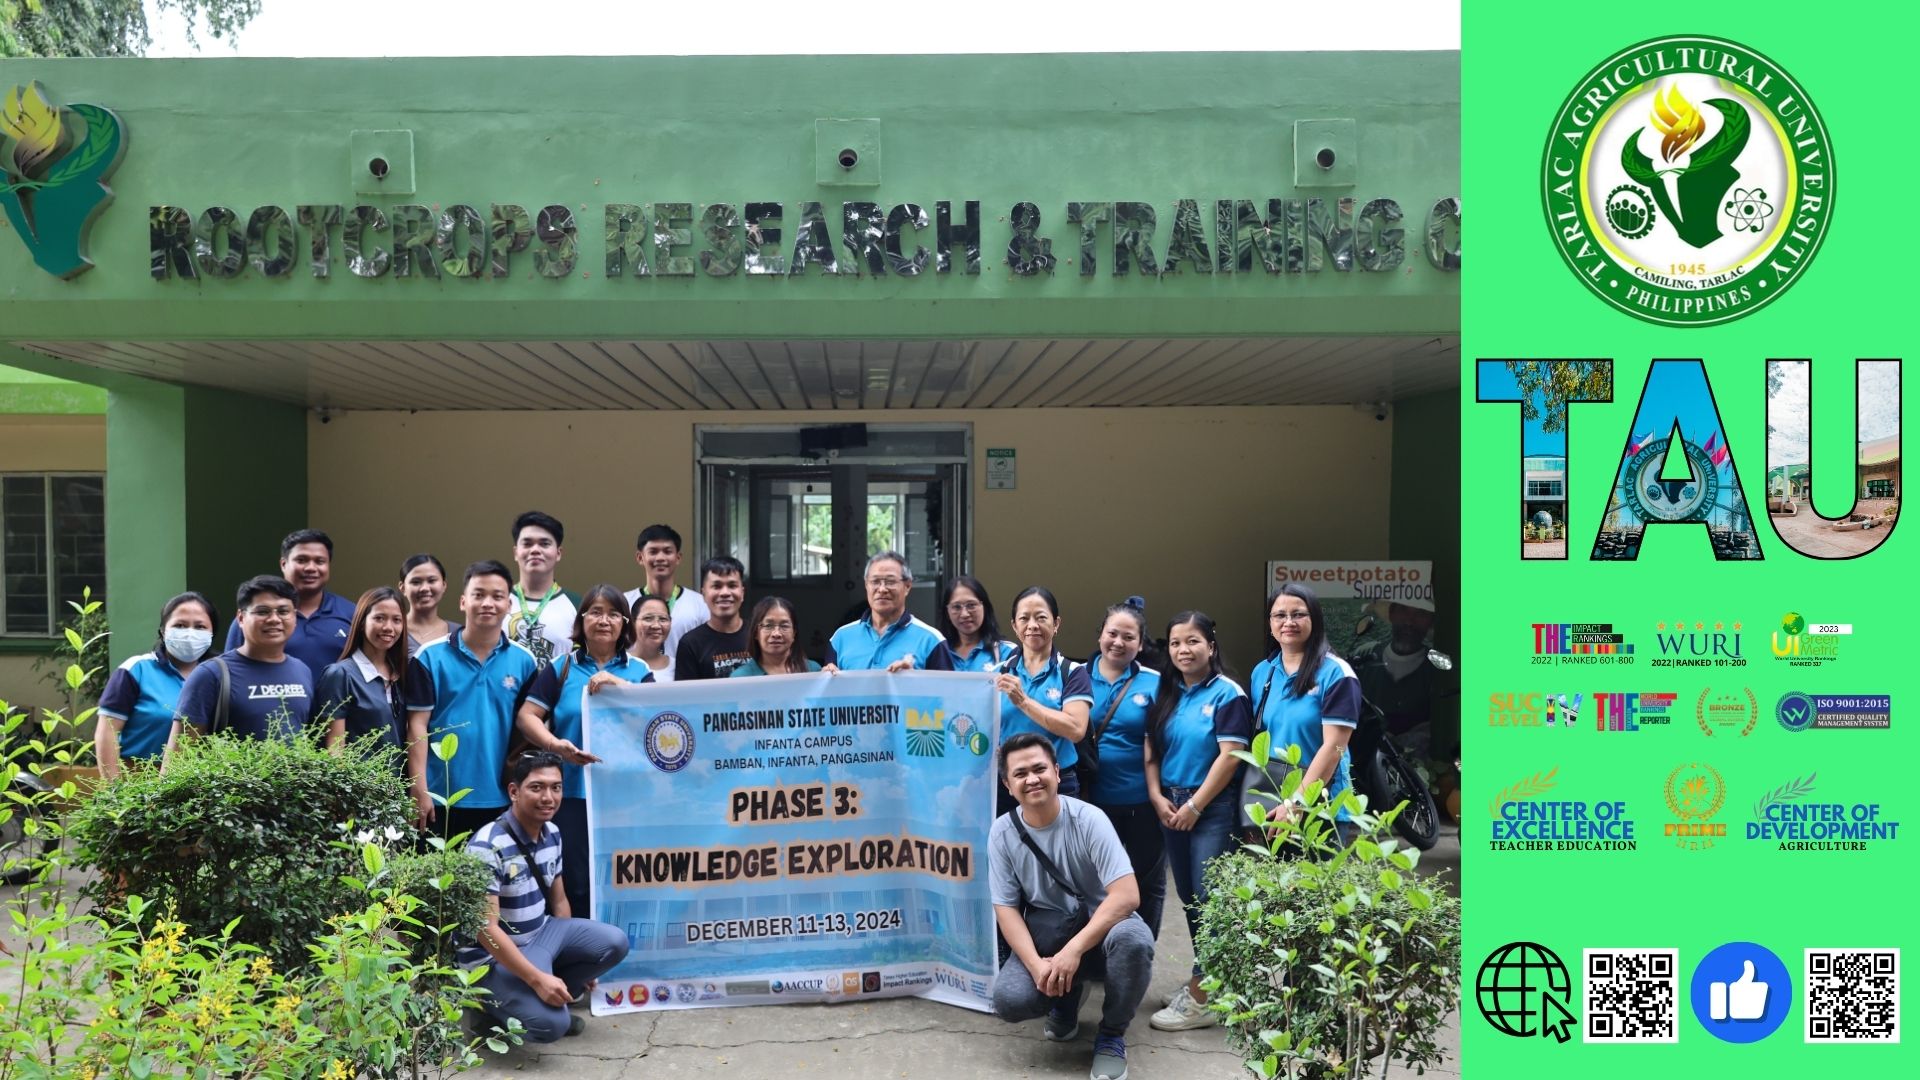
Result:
[1133,757]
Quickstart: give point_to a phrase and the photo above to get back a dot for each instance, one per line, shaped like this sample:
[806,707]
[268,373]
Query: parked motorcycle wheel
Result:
[15,844]
[1396,781]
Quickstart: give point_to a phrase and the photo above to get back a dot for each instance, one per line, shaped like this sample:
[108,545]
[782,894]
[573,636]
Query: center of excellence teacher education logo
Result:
[1527,818]
[1688,180]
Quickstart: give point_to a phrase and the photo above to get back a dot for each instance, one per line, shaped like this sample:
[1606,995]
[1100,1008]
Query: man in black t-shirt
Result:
[713,649]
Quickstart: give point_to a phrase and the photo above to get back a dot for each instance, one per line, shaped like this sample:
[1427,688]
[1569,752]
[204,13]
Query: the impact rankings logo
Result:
[1688,180]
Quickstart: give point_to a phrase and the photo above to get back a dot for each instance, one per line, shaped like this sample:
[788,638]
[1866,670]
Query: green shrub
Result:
[128,989]
[237,827]
[1323,958]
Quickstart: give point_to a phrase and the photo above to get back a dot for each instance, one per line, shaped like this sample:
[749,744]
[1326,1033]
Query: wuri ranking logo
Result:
[1688,180]
[56,160]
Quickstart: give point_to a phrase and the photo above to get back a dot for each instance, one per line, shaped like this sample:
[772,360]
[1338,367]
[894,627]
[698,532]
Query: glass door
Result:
[805,525]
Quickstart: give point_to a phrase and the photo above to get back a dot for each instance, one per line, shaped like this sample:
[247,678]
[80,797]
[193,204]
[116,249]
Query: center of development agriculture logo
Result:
[53,174]
[1688,180]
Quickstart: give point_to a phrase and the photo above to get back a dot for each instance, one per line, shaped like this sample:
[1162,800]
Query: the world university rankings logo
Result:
[1688,180]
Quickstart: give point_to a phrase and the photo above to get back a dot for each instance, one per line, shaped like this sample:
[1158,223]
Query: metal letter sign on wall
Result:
[56,160]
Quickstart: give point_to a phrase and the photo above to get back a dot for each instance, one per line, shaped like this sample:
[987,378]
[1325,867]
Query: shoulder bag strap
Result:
[1112,707]
[220,706]
[533,865]
[1045,863]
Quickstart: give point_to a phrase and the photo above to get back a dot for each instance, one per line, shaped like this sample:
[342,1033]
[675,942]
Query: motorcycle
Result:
[1382,771]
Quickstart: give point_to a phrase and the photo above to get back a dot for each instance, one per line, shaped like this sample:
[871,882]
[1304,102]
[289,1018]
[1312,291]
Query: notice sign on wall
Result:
[1000,469]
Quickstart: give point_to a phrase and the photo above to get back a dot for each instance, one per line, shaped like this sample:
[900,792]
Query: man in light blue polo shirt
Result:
[323,621]
[466,684]
[888,638]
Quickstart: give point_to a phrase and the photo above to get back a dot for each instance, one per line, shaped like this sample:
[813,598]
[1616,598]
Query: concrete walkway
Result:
[903,1037]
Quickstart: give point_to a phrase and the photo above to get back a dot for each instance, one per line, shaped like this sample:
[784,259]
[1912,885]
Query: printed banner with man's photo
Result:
[794,838]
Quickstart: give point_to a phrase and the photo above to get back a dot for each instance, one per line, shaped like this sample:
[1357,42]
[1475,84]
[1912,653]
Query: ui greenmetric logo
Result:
[54,164]
[1688,181]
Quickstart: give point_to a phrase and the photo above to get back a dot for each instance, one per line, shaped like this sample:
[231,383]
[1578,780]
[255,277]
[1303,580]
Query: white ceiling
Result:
[795,374]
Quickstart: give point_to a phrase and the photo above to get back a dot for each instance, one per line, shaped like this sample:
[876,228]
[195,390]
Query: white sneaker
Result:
[1184,1014]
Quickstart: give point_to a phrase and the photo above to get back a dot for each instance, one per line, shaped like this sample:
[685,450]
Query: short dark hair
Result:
[724,565]
[616,600]
[529,763]
[658,532]
[1026,740]
[272,584]
[539,520]
[305,536]
[486,568]
[213,620]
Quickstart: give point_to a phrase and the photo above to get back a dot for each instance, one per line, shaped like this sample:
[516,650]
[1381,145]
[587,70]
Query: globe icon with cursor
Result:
[1522,989]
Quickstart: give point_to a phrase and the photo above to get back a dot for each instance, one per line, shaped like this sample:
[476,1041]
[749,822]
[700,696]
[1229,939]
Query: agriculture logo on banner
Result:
[56,160]
[794,838]
[1688,180]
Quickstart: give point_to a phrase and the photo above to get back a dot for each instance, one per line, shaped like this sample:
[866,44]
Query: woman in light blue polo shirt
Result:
[1198,719]
[602,633]
[971,628]
[1044,692]
[1123,691]
[1308,697]
[138,705]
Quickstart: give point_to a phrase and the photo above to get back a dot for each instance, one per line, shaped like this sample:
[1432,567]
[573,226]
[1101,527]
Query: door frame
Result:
[702,540]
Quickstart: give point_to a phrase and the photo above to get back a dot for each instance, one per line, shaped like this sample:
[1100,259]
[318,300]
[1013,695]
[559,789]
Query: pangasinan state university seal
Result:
[1688,180]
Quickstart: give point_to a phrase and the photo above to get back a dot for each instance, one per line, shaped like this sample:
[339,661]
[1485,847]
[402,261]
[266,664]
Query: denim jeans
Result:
[1124,962]
[1141,835]
[1190,852]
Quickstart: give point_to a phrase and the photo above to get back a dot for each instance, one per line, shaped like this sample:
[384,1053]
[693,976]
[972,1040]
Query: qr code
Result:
[1630,996]
[1853,995]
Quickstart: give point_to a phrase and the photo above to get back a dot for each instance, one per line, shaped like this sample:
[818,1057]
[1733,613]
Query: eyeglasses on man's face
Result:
[885,582]
[267,613]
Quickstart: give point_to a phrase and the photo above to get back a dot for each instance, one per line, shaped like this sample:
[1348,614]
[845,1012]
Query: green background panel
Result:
[1524,304]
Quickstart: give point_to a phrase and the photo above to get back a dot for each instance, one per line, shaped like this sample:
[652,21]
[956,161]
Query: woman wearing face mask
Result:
[1199,718]
[602,633]
[1309,698]
[137,707]
[652,626]
[773,642]
[1123,690]
[424,581]
[1043,691]
[361,695]
[971,629]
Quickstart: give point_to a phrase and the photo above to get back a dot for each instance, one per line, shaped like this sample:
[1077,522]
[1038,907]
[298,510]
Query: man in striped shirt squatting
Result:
[542,957]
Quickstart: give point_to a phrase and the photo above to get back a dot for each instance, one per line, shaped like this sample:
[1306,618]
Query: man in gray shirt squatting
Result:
[1090,873]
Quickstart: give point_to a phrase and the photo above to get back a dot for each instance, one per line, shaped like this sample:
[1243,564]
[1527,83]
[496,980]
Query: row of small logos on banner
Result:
[1533,814]
[640,994]
[1740,992]
[1734,712]
[1683,643]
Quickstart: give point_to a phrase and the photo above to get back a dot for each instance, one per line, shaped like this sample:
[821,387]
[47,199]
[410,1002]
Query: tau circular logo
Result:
[1795,711]
[1684,494]
[1688,180]
[669,742]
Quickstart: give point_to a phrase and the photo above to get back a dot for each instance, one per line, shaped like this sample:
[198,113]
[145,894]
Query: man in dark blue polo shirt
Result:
[267,692]
[324,620]
[888,638]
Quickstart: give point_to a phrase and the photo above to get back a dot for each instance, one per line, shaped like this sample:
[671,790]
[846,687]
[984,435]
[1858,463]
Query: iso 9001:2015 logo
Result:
[1688,180]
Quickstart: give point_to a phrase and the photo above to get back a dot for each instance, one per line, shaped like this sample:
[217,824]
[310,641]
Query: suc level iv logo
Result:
[1688,180]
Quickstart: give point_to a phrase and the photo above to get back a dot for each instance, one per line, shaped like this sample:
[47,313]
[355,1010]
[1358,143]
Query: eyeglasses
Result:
[655,620]
[603,616]
[885,582]
[964,608]
[1289,616]
[268,613]
[772,626]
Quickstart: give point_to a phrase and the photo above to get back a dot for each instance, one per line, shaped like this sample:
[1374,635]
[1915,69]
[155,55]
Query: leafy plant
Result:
[1325,958]
[129,989]
[236,826]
